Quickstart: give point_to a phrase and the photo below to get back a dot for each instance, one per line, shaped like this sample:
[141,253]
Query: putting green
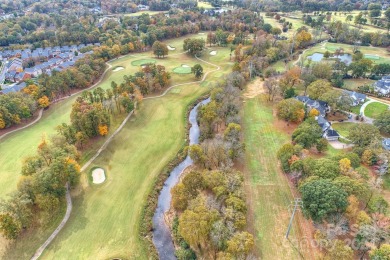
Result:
[143,62]
[371,57]
[182,70]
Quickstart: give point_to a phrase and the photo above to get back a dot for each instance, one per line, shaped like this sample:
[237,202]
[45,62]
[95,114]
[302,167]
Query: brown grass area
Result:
[255,88]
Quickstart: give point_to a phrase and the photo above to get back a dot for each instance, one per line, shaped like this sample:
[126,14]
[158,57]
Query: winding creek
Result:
[162,238]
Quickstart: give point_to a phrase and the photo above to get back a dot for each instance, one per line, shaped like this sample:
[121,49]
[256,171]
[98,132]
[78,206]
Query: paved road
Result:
[40,250]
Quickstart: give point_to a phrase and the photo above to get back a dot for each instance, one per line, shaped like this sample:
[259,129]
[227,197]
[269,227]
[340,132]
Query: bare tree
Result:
[272,87]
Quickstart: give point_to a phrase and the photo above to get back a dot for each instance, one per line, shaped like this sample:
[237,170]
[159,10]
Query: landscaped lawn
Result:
[373,110]
[268,190]
[356,109]
[343,128]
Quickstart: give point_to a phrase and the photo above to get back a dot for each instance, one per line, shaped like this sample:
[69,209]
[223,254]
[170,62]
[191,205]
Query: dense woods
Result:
[41,189]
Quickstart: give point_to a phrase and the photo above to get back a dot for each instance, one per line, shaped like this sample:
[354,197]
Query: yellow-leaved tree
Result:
[103,130]
[44,102]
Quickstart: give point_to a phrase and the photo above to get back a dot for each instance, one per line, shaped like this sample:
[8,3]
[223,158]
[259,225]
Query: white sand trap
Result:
[118,69]
[213,53]
[98,176]
[201,33]
[185,66]
[171,48]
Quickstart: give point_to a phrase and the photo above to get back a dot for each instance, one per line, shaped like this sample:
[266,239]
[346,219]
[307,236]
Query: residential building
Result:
[331,135]
[386,144]
[357,98]
[323,108]
[383,86]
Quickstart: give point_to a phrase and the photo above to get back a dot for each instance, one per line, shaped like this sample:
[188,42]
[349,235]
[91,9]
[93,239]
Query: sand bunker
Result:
[118,69]
[171,48]
[213,53]
[185,66]
[98,176]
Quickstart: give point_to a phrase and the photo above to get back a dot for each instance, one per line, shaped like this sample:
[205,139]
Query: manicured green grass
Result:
[182,70]
[356,109]
[268,190]
[371,57]
[343,128]
[373,110]
[143,12]
[143,62]
[204,5]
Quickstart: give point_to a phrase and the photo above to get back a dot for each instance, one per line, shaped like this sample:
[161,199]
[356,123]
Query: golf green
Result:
[143,62]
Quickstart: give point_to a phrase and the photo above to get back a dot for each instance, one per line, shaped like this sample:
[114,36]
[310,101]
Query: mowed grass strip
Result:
[374,109]
[143,62]
[269,192]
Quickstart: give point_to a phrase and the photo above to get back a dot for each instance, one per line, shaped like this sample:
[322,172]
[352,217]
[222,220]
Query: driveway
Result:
[353,120]
[339,145]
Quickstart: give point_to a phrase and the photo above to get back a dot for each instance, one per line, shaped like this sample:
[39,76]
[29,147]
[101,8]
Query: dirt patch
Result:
[284,126]
[255,88]
[336,116]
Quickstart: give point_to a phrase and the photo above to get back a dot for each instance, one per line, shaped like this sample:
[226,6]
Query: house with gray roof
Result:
[386,144]
[331,135]
[15,88]
[382,86]
[357,98]
[322,107]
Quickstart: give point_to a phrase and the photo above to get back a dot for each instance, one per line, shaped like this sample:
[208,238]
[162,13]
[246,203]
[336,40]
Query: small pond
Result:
[346,58]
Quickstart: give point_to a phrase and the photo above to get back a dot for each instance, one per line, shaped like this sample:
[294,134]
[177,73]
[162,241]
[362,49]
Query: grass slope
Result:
[269,191]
